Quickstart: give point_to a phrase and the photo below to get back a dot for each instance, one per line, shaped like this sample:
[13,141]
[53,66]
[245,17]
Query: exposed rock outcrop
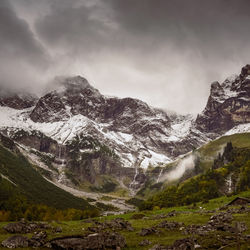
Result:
[17,100]
[16,241]
[228,104]
[116,224]
[24,227]
[114,133]
[103,240]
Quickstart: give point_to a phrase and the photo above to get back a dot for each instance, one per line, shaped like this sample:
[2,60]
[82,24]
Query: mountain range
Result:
[78,136]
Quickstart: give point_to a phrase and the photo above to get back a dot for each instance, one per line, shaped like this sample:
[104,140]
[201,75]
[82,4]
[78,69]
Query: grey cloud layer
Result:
[162,51]
[20,52]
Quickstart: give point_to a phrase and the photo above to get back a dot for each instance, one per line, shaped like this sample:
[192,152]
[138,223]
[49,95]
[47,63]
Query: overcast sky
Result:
[165,52]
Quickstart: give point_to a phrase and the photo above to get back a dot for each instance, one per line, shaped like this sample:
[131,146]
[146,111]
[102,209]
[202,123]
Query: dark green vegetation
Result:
[233,165]
[135,201]
[24,189]
[106,207]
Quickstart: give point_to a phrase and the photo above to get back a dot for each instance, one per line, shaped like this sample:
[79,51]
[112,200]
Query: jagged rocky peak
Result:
[16,99]
[76,82]
[228,104]
[216,89]
[71,96]
[245,71]
[73,85]
[74,96]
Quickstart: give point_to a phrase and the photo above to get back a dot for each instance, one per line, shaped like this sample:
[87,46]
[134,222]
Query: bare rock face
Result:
[228,104]
[43,111]
[124,132]
[73,96]
[127,125]
[35,139]
[17,100]
[76,96]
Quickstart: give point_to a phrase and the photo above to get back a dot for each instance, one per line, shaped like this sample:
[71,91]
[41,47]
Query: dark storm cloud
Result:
[161,51]
[20,52]
[206,25]
[208,30]
[69,26]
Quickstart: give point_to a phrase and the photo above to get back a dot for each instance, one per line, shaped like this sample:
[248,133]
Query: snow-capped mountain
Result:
[17,101]
[139,135]
[228,104]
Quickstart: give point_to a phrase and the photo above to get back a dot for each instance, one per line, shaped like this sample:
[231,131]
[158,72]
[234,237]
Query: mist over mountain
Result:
[114,136]
[158,53]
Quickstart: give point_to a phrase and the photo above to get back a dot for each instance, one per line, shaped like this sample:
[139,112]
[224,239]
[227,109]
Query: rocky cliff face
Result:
[127,125]
[73,96]
[228,104]
[76,96]
[17,100]
[83,158]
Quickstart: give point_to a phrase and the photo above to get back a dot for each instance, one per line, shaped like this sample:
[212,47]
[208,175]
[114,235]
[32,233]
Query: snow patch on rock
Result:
[242,128]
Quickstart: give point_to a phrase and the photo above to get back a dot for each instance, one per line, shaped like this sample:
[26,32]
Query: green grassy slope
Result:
[33,186]
[210,150]
[186,214]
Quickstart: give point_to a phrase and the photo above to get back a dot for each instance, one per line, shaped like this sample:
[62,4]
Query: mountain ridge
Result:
[140,135]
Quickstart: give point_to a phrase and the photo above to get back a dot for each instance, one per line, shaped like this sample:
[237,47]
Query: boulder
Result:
[57,230]
[15,228]
[38,239]
[170,225]
[16,241]
[137,216]
[162,216]
[159,247]
[198,229]
[221,218]
[24,227]
[184,244]
[148,231]
[116,224]
[145,242]
[103,240]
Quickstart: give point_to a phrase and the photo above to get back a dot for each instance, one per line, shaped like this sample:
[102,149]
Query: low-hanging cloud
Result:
[185,164]
[163,52]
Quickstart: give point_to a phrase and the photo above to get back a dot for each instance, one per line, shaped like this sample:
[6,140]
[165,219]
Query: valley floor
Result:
[117,202]
[189,215]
